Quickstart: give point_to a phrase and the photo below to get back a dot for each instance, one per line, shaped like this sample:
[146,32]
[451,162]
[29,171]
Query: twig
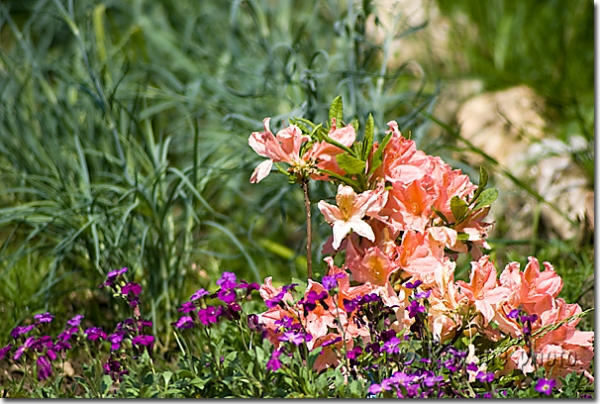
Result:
[308,229]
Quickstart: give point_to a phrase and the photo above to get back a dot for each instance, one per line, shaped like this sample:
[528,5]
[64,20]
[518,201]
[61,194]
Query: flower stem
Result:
[308,229]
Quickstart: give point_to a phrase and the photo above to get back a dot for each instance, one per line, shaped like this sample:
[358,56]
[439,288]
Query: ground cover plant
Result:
[343,261]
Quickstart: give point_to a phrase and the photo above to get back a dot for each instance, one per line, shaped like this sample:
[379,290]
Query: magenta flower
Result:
[484,377]
[514,314]
[414,285]
[331,342]
[61,346]
[75,321]
[44,318]
[227,280]
[294,338]
[44,370]
[94,333]
[227,295]
[210,315]
[20,330]
[145,340]
[545,386]
[184,323]
[133,288]
[112,276]
[187,307]
[414,308]
[20,350]
[392,346]
[430,381]
[5,350]
[198,294]
[375,388]
[115,340]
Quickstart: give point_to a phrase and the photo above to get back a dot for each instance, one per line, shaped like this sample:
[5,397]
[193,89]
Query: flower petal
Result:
[261,171]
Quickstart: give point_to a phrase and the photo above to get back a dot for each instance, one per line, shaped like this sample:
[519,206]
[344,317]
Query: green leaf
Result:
[462,237]
[336,110]
[486,198]
[369,135]
[459,208]
[350,164]
[483,180]
[440,214]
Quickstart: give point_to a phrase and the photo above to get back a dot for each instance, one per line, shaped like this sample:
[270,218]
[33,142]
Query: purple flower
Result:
[115,340]
[294,338]
[75,321]
[284,322]
[249,286]
[20,350]
[350,305]
[198,294]
[134,288]
[514,314]
[386,384]
[227,280]
[227,295]
[430,381]
[210,315]
[44,368]
[145,340]
[487,395]
[94,333]
[184,323]
[274,363]
[5,350]
[403,378]
[187,307]
[375,388]
[44,318]
[414,285]
[51,354]
[414,308]
[20,330]
[329,282]
[42,342]
[423,295]
[392,346]
[331,342]
[545,386]
[355,352]
[484,377]
[450,365]
[472,367]
[61,346]
[112,276]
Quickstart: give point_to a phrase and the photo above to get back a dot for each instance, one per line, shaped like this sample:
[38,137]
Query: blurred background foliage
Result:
[124,129]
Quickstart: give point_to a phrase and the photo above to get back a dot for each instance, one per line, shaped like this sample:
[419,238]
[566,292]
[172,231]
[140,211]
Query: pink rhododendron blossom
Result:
[349,213]
[283,147]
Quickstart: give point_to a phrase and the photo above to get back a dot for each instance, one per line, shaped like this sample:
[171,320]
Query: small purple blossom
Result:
[423,295]
[414,308]
[115,340]
[198,294]
[331,342]
[145,340]
[431,381]
[274,363]
[514,314]
[375,388]
[294,338]
[413,285]
[545,386]
[187,307]
[355,352]
[227,295]
[227,280]
[5,350]
[184,323]
[210,315]
[26,345]
[284,322]
[472,367]
[392,346]
[484,377]
[350,305]
[44,318]
[44,368]
[20,330]
[61,346]
[134,288]
[75,321]
[112,276]
[94,333]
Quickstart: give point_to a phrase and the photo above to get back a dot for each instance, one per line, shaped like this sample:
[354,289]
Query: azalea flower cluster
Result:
[400,219]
